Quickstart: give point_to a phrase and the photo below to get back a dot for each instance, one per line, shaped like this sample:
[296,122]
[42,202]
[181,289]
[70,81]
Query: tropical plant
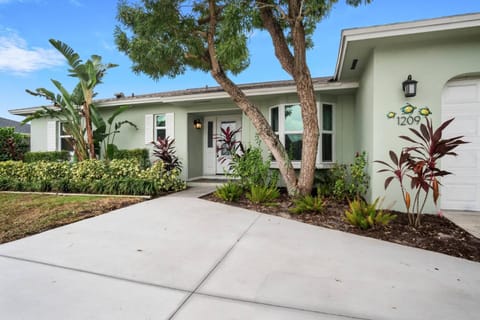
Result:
[74,110]
[105,132]
[419,164]
[366,216]
[307,203]
[164,150]
[228,145]
[229,191]
[263,194]
[212,36]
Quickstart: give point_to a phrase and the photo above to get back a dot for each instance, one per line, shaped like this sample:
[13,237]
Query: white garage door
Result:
[461,100]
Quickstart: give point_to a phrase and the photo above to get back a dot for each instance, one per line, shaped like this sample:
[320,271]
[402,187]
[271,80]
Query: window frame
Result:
[281,133]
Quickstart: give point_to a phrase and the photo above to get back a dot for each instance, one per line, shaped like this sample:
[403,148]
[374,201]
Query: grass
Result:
[22,214]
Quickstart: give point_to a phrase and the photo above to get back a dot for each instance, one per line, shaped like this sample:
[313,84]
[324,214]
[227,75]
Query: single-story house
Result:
[17,126]
[360,107]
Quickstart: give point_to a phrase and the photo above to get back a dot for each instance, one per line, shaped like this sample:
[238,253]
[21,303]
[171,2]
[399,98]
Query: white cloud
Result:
[17,57]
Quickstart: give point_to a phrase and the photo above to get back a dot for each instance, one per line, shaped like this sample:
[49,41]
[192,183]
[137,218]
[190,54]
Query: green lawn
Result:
[26,214]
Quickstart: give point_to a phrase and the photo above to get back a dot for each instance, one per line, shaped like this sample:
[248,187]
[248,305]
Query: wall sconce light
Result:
[409,87]
[197,124]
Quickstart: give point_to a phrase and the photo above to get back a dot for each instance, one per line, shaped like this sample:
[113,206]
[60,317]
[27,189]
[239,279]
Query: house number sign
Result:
[408,116]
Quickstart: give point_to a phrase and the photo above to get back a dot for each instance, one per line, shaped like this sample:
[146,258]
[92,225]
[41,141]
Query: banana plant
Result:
[89,75]
[64,109]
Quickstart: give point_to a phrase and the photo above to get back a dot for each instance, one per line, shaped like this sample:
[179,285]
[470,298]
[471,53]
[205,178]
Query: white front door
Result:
[461,190]
[213,163]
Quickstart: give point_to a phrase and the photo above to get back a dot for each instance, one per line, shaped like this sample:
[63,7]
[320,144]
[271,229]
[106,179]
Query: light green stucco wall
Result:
[432,65]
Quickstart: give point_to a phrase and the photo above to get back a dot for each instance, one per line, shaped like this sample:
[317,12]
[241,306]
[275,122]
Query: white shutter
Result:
[170,125]
[148,128]
[51,135]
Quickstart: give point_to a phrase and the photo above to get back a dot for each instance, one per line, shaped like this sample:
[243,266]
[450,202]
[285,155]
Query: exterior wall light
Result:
[409,86]
[197,124]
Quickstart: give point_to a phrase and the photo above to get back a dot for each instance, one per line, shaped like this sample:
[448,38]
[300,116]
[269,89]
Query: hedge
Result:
[142,155]
[123,177]
[47,156]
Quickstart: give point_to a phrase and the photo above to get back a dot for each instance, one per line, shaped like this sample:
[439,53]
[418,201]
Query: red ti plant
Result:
[228,145]
[165,151]
[420,164]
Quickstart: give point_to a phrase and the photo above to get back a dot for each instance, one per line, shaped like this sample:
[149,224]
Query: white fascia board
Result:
[224,95]
[24,111]
[401,29]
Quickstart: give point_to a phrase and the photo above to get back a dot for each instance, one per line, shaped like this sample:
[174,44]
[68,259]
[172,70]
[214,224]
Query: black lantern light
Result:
[197,124]
[409,86]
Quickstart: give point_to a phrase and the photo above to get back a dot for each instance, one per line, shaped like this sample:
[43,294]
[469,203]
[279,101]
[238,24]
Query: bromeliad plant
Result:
[419,165]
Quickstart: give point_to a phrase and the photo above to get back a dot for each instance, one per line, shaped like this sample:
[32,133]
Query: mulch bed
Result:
[436,233]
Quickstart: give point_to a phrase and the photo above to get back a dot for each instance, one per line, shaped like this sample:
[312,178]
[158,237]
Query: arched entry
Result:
[461,100]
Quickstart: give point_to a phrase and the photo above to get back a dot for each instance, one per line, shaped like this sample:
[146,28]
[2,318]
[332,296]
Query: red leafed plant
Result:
[228,145]
[165,151]
[420,164]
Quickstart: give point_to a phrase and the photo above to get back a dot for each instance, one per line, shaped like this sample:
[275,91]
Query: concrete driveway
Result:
[179,257]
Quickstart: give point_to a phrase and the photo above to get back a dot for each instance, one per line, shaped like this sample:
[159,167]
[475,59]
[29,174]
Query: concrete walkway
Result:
[468,220]
[179,257]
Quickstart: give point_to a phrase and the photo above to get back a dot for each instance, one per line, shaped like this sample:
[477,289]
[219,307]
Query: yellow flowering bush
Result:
[122,176]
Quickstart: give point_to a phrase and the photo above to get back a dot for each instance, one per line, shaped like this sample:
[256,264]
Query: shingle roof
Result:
[19,127]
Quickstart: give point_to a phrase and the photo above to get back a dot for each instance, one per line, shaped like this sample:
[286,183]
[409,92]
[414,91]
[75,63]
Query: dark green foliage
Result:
[13,146]
[141,155]
[230,192]
[366,216]
[251,169]
[50,156]
[263,194]
[351,181]
[308,204]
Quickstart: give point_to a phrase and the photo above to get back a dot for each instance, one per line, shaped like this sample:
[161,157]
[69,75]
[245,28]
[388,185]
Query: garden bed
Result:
[435,233]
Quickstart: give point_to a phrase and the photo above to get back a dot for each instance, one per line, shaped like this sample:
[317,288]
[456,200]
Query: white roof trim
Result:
[400,29]
[318,87]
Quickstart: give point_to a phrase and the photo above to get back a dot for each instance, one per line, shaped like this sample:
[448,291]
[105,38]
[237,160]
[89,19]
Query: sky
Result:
[28,61]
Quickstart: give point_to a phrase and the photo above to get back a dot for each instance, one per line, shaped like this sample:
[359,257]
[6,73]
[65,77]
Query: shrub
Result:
[366,216]
[308,203]
[263,194]
[230,192]
[351,181]
[47,156]
[251,169]
[141,155]
[89,176]
[13,145]
[124,168]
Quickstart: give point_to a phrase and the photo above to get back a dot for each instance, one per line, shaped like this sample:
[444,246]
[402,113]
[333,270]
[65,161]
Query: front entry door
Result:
[213,125]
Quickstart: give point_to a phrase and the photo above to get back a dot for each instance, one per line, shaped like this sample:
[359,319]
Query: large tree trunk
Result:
[296,65]
[263,128]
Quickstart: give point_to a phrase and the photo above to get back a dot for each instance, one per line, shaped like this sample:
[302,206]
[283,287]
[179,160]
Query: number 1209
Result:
[408,120]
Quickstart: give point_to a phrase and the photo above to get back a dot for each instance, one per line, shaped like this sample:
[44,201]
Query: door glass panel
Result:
[293,118]
[210,134]
[293,145]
